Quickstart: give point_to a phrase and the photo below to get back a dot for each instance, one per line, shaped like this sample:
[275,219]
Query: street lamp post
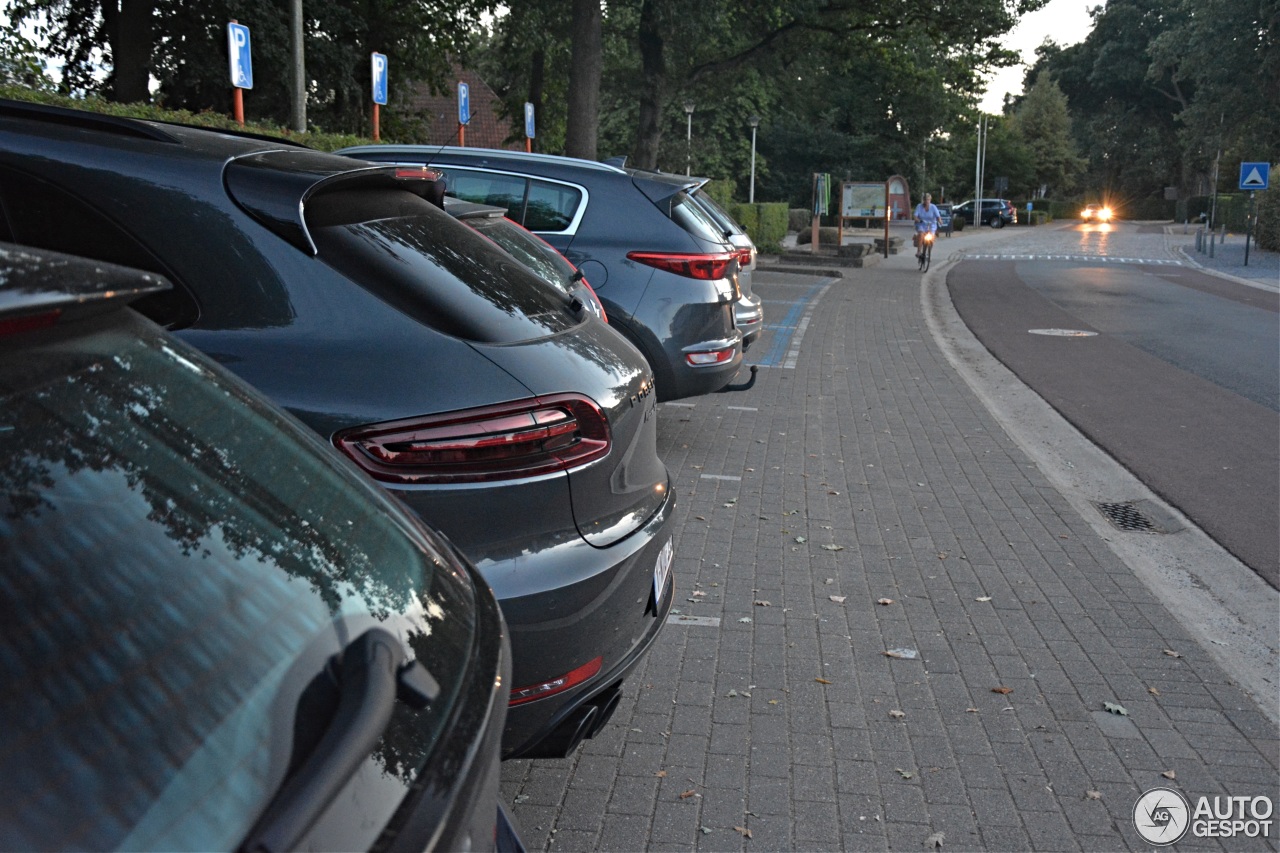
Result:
[754,121]
[688,138]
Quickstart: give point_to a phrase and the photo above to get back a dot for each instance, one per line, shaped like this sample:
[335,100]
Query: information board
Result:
[862,201]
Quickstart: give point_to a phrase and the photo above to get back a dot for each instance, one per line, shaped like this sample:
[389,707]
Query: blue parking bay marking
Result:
[787,335]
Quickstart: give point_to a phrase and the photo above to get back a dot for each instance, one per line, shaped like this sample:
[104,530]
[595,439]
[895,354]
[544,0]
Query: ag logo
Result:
[1161,816]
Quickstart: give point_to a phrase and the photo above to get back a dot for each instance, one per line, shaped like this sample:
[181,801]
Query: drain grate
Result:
[1138,516]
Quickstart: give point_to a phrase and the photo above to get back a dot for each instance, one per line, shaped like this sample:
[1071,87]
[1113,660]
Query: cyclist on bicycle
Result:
[927,217]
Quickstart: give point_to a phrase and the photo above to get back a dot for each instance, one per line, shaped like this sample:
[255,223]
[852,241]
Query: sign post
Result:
[378,67]
[464,113]
[528,127]
[1253,177]
[821,203]
[240,64]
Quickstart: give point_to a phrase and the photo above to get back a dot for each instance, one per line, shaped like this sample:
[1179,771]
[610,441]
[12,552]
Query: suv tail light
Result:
[707,267]
[745,256]
[511,440]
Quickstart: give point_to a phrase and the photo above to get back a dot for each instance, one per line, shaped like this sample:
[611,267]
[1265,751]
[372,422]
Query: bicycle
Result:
[925,253]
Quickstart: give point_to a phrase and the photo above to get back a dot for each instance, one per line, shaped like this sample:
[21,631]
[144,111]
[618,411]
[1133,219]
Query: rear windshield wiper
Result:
[372,675]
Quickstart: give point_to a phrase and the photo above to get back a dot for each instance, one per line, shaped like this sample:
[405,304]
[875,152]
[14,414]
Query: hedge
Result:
[1267,228]
[214,121]
[765,223]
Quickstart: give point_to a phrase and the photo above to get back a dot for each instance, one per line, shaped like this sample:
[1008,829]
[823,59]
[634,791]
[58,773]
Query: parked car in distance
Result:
[996,212]
[1096,213]
[528,248]
[749,309]
[504,415]
[198,594]
[662,267]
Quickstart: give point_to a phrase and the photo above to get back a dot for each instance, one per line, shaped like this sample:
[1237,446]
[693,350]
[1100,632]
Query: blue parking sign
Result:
[464,104]
[378,63]
[528,120]
[240,56]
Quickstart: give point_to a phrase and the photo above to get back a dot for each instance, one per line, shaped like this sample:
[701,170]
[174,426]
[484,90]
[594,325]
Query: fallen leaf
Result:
[731,694]
[983,598]
[705,830]
[934,842]
[829,581]
[1093,795]
[743,831]
[833,493]
[1153,691]
[697,593]
[838,599]
[1003,691]
[661,774]
[760,602]
[885,601]
[1171,653]
[700,517]
[687,794]
[897,715]
[801,539]
[1115,709]
[773,701]
[1169,774]
[523,798]
[822,681]
[905,774]
[902,654]
[971,710]
[833,547]
[745,619]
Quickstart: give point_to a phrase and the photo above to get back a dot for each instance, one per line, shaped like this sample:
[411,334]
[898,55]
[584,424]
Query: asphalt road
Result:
[1180,380]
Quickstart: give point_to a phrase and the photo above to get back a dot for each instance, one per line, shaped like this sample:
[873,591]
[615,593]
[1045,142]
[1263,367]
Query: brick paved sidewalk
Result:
[868,472]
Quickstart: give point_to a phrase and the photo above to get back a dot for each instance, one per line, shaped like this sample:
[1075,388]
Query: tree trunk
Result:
[653,75]
[130,33]
[584,80]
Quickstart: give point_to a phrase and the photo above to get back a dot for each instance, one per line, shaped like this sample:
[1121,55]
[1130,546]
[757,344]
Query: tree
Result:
[1044,123]
[584,80]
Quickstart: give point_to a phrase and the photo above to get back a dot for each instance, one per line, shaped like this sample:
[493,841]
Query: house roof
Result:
[487,129]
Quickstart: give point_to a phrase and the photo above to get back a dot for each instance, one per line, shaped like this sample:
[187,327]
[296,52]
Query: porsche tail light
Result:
[706,267]
[508,441]
[573,678]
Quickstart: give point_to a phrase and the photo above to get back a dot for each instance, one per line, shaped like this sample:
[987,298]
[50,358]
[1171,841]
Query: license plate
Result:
[661,572]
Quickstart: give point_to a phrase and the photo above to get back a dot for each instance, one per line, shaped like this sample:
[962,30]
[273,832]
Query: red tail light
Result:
[29,323]
[573,678]
[707,267]
[507,441]
[745,257]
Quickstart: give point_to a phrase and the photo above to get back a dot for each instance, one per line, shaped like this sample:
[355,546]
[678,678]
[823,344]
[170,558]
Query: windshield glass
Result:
[176,562]
[690,215]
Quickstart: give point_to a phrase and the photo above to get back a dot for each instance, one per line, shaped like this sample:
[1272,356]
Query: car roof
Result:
[487,156]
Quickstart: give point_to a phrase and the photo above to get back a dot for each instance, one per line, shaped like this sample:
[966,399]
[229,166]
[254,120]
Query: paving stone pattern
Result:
[789,721]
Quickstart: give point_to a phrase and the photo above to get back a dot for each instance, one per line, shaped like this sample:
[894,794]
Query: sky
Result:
[1065,21]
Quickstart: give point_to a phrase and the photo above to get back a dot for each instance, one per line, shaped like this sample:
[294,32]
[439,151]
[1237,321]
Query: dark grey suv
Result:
[662,267]
[218,635]
[493,404]
[996,212]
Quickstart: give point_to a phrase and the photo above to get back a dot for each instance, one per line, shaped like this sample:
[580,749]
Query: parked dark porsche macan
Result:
[218,635]
[503,413]
[663,268]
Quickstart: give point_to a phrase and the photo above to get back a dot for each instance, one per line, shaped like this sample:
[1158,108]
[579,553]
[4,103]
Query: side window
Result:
[44,216]
[551,207]
[498,190]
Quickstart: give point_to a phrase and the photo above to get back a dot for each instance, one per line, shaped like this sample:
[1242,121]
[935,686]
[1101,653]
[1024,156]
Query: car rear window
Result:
[692,218]
[416,257]
[527,248]
[171,553]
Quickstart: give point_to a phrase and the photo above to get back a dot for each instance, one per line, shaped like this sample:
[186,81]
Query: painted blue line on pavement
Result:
[784,330]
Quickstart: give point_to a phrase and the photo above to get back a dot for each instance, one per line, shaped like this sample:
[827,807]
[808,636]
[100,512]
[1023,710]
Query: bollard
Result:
[1223,238]
[1199,240]
[1211,243]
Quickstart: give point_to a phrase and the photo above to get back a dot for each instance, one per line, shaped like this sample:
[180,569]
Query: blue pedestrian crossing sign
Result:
[239,55]
[1255,176]
[464,104]
[379,67]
